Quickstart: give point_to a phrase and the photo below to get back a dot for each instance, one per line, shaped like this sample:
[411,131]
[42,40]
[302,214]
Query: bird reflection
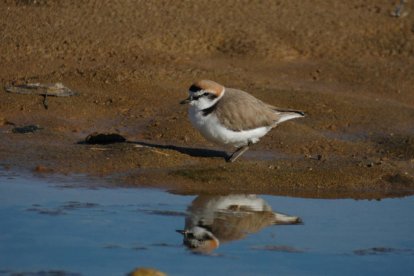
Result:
[212,220]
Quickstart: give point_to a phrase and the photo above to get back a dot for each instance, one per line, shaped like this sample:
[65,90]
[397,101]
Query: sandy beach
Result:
[348,64]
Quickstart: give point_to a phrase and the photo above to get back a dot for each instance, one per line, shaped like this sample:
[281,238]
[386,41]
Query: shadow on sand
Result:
[196,152]
[114,138]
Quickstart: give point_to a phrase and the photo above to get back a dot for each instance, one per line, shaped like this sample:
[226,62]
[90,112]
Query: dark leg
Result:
[238,153]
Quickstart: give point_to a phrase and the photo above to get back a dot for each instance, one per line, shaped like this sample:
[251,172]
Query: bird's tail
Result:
[288,114]
[285,219]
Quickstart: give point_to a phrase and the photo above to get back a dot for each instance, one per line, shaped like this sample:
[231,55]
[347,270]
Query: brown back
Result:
[238,110]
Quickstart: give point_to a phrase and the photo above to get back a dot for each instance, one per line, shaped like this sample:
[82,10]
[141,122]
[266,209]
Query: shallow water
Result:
[50,225]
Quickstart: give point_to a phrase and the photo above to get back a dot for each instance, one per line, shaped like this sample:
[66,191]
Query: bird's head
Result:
[199,239]
[204,94]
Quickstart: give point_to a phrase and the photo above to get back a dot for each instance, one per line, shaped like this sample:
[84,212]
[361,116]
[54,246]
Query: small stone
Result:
[42,169]
[146,272]
[26,129]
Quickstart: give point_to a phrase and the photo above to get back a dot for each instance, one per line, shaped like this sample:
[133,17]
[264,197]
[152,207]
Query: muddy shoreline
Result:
[354,81]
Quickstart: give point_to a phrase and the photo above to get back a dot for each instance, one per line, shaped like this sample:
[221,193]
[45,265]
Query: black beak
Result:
[182,232]
[186,101]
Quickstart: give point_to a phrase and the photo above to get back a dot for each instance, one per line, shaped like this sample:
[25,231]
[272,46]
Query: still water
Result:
[51,225]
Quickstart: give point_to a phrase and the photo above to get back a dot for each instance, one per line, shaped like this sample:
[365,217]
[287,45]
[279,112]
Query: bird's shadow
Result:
[195,152]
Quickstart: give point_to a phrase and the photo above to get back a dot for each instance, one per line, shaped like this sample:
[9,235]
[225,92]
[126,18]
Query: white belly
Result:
[210,127]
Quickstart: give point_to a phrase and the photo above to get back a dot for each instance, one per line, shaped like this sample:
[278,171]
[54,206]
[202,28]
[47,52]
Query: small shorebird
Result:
[212,220]
[228,116]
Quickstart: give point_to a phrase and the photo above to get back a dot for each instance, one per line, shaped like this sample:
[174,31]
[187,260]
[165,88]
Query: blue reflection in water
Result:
[111,231]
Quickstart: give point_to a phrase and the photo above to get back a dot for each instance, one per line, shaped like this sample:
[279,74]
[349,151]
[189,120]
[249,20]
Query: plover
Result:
[213,220]
[232,117]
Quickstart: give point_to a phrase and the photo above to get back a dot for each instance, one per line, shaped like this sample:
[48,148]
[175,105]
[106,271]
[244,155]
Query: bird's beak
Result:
[186,101]
[182,232]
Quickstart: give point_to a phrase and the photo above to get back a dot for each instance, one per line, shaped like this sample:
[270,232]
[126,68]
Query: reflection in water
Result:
[212,220]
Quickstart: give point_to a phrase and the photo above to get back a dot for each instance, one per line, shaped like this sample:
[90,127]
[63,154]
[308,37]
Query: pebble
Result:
[26,129]
[146,272]
[42,169]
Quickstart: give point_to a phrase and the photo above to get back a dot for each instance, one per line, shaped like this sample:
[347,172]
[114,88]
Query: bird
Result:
[232,117]
[212,220]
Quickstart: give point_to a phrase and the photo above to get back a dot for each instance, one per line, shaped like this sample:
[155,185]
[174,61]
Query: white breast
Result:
[211,128]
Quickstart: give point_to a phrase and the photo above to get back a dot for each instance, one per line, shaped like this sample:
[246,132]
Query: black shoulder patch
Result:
[210,109]
[211,96]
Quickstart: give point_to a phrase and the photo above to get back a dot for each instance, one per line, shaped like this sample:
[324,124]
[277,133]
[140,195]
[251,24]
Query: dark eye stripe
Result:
[195,98]
[206,94]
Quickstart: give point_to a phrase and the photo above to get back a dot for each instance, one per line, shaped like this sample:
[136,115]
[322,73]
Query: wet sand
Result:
[349,66]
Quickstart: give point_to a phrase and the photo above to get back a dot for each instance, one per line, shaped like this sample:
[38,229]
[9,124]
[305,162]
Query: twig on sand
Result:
[151,149]
[399,9]
[99,149]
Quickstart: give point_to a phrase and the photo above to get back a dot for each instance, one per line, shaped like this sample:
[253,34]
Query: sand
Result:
[348,64]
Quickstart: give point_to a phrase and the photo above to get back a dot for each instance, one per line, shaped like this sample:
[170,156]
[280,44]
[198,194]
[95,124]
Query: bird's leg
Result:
[238,153]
